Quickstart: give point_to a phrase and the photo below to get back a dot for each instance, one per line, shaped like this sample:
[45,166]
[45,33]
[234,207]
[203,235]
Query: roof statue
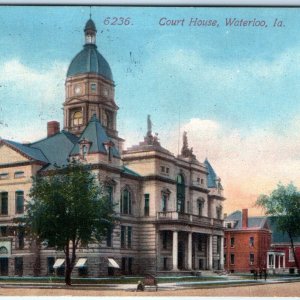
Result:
[185,151]
[149,125]
[150,139]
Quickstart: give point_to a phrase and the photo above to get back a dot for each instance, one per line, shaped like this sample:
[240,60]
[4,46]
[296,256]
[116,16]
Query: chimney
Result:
[245,218]
[52,128]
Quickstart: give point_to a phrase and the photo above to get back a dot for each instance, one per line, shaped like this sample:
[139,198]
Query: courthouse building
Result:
[169,207]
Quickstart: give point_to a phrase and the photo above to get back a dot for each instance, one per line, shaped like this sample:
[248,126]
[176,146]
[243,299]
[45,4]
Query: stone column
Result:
[274,261]
[268,257]
[189,250]
[284,261]
[222,252]
[210,252]
[175,251]
[279,260]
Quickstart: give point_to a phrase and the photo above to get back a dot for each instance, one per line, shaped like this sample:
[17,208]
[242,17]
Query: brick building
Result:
[246,243]
[280,257]
[169,207]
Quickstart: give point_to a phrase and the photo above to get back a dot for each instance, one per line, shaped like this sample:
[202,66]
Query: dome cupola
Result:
[89,60]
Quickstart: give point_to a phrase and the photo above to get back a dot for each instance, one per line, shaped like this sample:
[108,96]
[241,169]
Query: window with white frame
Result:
[291,255]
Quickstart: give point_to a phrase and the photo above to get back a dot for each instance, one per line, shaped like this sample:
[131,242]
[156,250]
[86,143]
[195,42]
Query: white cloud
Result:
[29,98]
[43,85]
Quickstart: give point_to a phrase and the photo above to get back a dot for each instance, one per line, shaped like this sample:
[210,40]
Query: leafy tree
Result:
[284,205]
[68,209]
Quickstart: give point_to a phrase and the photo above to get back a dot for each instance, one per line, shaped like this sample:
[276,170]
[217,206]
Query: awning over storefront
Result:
[81,262]
[58,263]
[113,264]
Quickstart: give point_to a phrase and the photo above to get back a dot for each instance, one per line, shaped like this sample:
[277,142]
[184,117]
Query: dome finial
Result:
[90,31]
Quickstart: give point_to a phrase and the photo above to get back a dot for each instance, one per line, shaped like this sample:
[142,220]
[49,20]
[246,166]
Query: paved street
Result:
[263,290]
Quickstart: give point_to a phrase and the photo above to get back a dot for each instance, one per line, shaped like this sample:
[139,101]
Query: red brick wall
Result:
[285,248]
[242,249]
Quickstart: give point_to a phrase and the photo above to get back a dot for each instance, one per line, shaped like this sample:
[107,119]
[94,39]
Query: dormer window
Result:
[84,148]
[109,149]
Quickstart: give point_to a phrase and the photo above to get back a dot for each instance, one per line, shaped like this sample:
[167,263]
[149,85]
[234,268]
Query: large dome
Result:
[89,60]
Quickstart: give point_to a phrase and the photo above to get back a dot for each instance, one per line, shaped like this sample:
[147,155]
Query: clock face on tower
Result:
[78,89]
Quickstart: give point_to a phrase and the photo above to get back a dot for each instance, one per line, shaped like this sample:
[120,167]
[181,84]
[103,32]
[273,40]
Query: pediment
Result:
[9,155]
[74,101]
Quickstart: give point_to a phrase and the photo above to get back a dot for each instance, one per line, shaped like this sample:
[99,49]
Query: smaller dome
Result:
[90,25]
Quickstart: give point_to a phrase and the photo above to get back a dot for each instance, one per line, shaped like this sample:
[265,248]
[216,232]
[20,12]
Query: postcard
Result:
[184,117]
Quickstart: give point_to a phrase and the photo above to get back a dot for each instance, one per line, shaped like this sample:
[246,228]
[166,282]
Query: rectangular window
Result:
[232,242]
[228,225]
[251,258]
[129,236]
[93,87]
[50,264]
[130,260]
[83,271]
[109,237]
[167,170]
[3,176]
[4,203]
[165,263]
[225,242]
[165,239]
[21,236]
[123,236]
[19,174]
[123,267]
[19,202]
[19,266]
[4,231]
[146,207]
[109,191]
[232,259]
[291,255]
[202,181]
[200,243]
[225,259]
[251,241]
[3,266]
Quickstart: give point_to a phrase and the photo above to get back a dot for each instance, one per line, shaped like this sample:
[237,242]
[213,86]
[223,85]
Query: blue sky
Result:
[234,89]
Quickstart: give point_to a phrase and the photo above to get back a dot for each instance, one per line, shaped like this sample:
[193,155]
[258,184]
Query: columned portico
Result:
[175,251]
[189,250]
[271,260]
[210,252]
[222,252]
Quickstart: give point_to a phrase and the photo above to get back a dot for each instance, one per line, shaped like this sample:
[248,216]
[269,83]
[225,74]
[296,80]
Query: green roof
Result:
[57,148]
[32,152]
[89,60]
[96,135]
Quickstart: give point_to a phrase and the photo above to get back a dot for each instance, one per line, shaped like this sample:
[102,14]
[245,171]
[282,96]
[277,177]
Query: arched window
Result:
[126,202]
[219,210]
[200,206]
[180,193]
[77,118]
[3,250]
[19,202]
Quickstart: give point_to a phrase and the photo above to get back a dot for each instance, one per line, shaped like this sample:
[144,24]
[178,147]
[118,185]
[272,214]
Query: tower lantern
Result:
[90,32]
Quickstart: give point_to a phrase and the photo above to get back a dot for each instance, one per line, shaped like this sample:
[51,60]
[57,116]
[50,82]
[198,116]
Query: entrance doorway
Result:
[181,255]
